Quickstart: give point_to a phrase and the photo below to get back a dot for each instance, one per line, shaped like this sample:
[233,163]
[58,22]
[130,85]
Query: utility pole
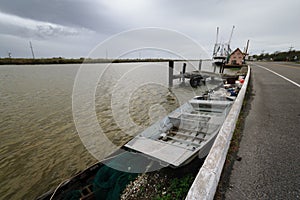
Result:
[31,50]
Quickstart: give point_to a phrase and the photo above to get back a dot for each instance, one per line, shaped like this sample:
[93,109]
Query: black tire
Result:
[195,81]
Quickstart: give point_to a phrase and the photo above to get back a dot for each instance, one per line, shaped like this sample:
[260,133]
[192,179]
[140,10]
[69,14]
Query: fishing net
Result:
[112,178]
[73,195]
[109,183]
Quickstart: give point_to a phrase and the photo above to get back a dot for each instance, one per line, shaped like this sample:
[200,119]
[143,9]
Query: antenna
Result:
[31,50]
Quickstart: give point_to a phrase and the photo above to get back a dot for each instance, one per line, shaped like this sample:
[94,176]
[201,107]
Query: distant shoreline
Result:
[60,60]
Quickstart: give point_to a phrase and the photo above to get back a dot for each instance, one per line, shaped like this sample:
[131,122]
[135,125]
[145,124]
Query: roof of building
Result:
[237,49]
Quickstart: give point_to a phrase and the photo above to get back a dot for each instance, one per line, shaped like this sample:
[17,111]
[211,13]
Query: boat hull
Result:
[194,128]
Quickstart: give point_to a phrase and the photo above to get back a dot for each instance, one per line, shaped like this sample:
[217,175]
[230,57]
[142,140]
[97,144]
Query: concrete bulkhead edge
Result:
[207,179]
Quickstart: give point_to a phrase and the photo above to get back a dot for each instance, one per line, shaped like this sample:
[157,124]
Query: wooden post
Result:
[183,72]
[200,65]
[184,68]
[221,71]
[171,69]
[215,67]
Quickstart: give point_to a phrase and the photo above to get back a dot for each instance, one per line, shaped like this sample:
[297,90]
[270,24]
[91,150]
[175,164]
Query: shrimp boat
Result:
[185,133]
[221,50]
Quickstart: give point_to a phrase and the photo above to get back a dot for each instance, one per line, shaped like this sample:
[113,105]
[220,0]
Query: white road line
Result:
[279,75]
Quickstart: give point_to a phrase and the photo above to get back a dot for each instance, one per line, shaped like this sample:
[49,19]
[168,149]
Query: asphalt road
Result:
[270,146]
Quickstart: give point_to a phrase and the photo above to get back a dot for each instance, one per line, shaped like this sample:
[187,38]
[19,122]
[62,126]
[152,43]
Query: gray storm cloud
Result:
[22,27]
[74,28]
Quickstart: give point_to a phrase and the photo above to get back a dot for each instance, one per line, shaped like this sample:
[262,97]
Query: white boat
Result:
[221,51]
[185,133]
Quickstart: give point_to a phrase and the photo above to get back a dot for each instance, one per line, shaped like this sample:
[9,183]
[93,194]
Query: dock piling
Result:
[215,67]
[171,69]
[183,72]
[200,65]
[222,67]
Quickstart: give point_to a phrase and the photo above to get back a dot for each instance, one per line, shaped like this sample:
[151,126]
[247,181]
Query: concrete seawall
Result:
[206,181]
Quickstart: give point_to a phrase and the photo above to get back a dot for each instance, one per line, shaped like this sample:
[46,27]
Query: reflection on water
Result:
[40,146]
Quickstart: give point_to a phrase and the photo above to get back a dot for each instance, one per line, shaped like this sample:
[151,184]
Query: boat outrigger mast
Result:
[222,50]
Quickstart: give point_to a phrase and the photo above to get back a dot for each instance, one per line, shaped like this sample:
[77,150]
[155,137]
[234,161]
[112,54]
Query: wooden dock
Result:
[195,77]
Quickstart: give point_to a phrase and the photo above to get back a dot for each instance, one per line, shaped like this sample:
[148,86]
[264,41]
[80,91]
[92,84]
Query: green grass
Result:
[177,189]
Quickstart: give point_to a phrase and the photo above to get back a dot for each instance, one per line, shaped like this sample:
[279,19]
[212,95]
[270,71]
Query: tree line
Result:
[61,60]
[279,56]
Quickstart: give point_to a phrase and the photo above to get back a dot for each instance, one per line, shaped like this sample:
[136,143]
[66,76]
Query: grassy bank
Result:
[165,184]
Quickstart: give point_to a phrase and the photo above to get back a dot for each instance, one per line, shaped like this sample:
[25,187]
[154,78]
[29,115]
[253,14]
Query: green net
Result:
[112,178]
[109,183]
[73,195]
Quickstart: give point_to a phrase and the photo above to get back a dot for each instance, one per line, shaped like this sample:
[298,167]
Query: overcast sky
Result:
[73,28]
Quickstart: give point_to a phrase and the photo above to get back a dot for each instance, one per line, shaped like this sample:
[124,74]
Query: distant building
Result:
[236,57]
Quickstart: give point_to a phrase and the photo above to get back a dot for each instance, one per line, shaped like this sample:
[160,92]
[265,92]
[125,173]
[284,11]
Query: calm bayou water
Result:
[39,143]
